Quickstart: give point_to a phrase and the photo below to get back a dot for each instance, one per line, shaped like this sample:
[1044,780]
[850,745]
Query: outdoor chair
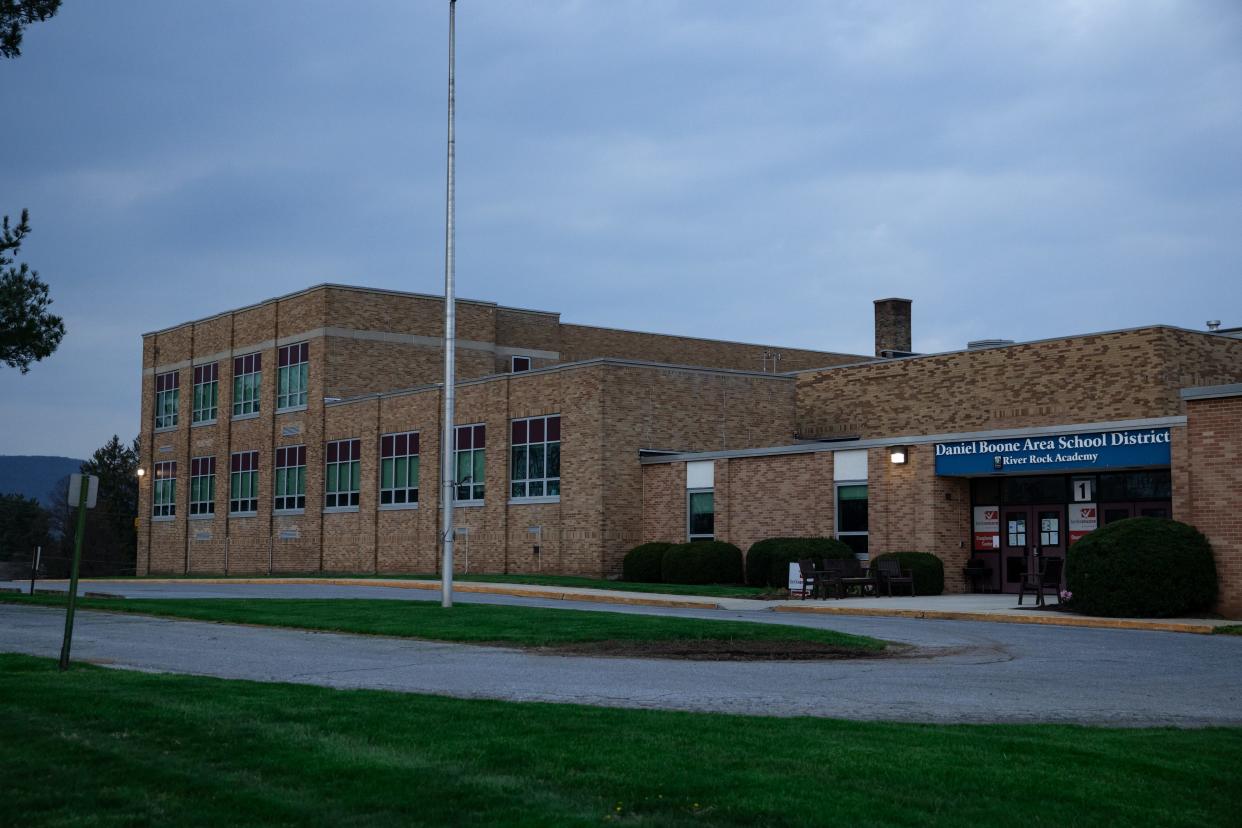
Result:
[810,578]
[831,578]
[979,574]
[890,572]
[854,574]
[1047,576]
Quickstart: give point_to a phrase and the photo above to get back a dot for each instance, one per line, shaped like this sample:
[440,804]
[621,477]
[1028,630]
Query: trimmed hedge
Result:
[643,563]
[1142,567]
[702,562]
[928,570]
[767,561]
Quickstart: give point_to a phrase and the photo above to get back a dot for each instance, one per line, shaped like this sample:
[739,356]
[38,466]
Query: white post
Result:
[447,445]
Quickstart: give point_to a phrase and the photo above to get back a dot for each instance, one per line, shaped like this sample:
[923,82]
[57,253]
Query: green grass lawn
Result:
[709,590]
[1230,629]
[523,626]
[108,747]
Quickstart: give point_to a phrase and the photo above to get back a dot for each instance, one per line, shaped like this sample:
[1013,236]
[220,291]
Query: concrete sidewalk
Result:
[995,608]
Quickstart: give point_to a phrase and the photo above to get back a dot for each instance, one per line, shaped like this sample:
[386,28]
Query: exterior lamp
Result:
[899,455]
[141,471]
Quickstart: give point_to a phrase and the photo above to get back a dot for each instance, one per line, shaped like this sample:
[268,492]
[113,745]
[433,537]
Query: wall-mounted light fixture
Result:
[998,461]
[141,471]
[899,455]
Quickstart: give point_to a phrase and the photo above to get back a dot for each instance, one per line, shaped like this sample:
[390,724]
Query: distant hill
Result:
[34,476]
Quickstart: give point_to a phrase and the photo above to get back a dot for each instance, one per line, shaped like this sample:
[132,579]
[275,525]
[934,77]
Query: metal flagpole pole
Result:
[447,445]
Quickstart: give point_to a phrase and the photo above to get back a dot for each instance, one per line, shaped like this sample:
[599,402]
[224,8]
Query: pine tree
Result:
[16,15]
[28,332]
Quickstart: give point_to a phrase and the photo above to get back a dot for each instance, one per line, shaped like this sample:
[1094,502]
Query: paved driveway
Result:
[979,672]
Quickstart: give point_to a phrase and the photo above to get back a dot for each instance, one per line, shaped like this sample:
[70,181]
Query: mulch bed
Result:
[718,650]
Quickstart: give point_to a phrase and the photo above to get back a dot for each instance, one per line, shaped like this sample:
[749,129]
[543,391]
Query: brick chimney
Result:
[892,326]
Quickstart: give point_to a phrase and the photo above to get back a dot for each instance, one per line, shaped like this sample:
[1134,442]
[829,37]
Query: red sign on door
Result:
[1083,520]
[987,528]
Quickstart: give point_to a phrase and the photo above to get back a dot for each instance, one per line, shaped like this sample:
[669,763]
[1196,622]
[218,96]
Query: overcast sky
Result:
[756,171]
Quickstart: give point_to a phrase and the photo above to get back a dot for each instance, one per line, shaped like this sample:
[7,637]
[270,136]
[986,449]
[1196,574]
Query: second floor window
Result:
[202,486]
[294,362]
[290,478]
[471,442]
[165,494]
[399,468]
[343,476]
[244,483]
[247,378]
[535,461]
[206,393]
[167,399]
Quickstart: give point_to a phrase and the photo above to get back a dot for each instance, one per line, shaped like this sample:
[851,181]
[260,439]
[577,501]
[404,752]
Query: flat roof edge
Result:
[337,286]
[878,360]
[916,439]
[1212,392]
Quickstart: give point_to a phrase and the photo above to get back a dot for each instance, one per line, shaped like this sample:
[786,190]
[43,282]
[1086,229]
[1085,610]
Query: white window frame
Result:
[513,364]
[292,378]
[343,499]
[250,475]
[164,491]
[836,515]
[690,535]
[167,401]
[291,502]
[546,481]
[477,488]
[412,469]
[247,398]
[210,390]
[203,507]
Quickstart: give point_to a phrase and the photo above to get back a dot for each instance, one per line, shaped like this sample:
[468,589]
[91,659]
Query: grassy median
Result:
[107,747]
[471,623]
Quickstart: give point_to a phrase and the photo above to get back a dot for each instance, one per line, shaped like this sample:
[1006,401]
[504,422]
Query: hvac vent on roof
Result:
[981,344]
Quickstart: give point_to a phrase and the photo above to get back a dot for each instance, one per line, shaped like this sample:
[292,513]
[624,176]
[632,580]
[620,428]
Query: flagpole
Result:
[447,444]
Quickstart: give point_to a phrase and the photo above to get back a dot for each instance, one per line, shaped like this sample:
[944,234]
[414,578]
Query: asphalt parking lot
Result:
[965,671]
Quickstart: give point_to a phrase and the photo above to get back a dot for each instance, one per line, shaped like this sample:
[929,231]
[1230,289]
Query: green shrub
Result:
[642,563]
[1142,567]
[702,562]
[928,570]
[767,561]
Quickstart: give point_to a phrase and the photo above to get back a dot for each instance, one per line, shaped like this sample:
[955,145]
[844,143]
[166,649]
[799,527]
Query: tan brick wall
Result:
[769,497]
[910,509]
[579,342]
[1127,375]
[664,503]
[1214,458]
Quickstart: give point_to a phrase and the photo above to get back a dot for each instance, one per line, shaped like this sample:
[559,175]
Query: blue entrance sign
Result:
[1060,452]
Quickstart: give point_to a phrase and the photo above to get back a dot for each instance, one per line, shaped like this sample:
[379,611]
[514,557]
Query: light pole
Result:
[448,488]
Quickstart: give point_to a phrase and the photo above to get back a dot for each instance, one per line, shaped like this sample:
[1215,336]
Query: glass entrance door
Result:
[1027,534]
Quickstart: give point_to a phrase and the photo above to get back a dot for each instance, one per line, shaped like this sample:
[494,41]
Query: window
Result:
[535,467]
[471,441]
[165,490]
[290,479]
[206,393]
[247,377]
[852,517]
[343,477]
[702,514]
[518,364]
[202,486]
[294,362]
[244,483]
[167,398]
[399,469]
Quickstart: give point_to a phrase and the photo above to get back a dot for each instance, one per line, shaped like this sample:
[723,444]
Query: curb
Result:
[637,600]
[1068,621]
